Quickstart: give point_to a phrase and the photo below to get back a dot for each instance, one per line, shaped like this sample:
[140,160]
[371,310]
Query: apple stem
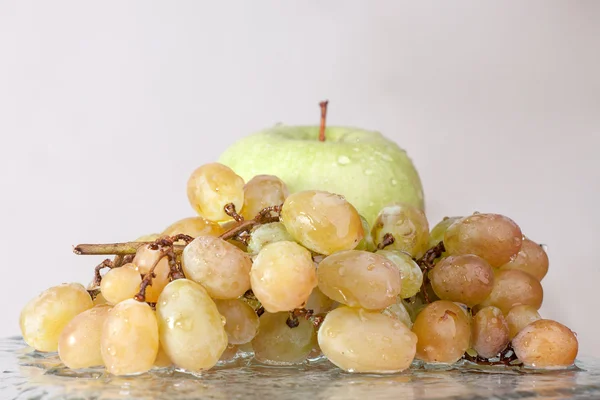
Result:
[323,106]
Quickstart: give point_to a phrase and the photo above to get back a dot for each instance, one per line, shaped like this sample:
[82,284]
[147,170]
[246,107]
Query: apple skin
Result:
[369,170]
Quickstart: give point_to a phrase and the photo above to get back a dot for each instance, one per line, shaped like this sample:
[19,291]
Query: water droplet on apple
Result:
[343,160]
[368,171]
[394,182]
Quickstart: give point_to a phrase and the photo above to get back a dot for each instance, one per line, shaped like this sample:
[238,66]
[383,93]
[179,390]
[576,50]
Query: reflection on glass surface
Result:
[27,374]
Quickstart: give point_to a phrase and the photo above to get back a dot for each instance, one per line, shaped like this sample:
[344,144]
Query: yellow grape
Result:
[322,222]
[519,317]
[398,311]
[437,233]
[222,268]
[283,276]
[241,320]
[278,344]
[359,279]
[145,258]
[211,187]
[190,326]
[493,237]
[99,300]
[262,191]
[129,341]
[159,282]
[357,340]
[489,333]
[79,342]
[512,288]
[162,359]
[466,279]
[546,344]
[411,274]
[532,258]
[120,283]
[194,227]
[44,317]
[318,302]
[407,224]
[264,234]
[443,332]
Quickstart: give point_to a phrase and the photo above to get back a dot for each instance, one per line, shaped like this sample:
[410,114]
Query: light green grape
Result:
[437,233]
[411,274]
[367,242]
[399,312]
[267,233]
[278,344]
[407,224]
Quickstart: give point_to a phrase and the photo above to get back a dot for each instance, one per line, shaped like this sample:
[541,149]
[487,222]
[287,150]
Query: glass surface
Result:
[30,375]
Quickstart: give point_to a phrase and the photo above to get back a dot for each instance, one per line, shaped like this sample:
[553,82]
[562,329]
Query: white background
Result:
[106,107]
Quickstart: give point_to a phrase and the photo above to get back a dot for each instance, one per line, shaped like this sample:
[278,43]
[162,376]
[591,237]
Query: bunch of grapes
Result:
[300,277]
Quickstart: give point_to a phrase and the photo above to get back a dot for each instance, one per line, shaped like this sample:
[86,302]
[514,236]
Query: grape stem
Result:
[506,357]
[323,106]
[388,239]
[126,248]
[266,215]
[231,211]
[104,264]
[426,263]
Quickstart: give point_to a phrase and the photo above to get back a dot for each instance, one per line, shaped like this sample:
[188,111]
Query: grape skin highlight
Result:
[407,224]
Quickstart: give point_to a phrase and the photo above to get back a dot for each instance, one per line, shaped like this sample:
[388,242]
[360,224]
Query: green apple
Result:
[363,166]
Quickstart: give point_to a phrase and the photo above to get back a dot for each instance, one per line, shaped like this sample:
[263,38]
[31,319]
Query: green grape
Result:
[322,222]
[443,332]
[241,320]
[532,258]
[318,302]
[519,317]
[359,279]
[262,191]
[129,340]
[278,344]
[546,344]
[283,276]
[493,237]
[357,340]
[489,333]
[512,288]
[437,233]
[264,234]
[407,224]
[399,312]
[211,187]
[44,317]
[79,341]
[191,329]
[466,279]
[411,274]
[219,266]
[367,242]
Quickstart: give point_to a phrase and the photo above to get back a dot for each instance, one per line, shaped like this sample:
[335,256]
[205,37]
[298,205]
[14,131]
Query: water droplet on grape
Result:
[368,171]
